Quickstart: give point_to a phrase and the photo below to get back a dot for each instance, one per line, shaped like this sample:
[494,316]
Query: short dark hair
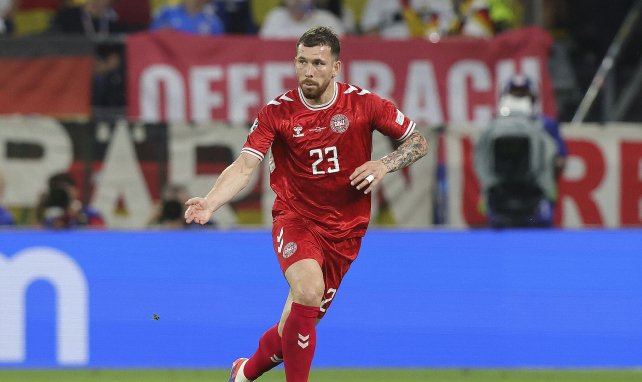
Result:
[321,36]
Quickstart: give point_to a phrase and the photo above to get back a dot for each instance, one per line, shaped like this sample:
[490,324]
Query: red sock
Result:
[299,341]
[267,356]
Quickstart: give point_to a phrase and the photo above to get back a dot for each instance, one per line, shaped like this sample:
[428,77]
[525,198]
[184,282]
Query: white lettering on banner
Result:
[459,76]
[122,179]
[72,314]
[152,79]
[594,171]
[203,99]
[184,139]
[240,97]
[27,177]
[575,171]
[275,74]
[421,99]
[373,75]
[236,98]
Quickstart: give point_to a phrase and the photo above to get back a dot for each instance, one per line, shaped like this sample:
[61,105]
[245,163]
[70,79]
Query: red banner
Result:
[600,187]
[179,77]
[54,86]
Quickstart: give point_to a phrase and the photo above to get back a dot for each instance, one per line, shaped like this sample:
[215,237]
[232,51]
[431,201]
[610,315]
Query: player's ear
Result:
[336,69]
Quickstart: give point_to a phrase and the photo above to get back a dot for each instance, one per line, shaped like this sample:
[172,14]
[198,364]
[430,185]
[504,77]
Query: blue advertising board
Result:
[412,299]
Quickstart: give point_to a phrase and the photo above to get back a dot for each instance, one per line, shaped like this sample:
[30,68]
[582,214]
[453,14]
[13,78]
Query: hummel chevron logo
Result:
[352,88]
[305,339]
[282,98]
[276,359]
[279,239]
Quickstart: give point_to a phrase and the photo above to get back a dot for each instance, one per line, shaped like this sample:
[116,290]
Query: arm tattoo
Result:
[410,150]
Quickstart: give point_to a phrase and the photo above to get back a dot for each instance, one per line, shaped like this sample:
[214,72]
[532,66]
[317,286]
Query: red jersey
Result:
[315,149]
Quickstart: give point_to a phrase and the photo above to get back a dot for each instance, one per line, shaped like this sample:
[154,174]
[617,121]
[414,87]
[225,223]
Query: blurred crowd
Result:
[269,18]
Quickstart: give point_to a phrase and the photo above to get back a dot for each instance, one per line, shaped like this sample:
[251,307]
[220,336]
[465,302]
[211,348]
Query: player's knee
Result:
[309,294]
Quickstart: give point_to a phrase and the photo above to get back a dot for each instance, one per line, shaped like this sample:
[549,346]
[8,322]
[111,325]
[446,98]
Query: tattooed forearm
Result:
[413,148]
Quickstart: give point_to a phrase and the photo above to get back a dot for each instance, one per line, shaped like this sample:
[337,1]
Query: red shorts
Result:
[295,238]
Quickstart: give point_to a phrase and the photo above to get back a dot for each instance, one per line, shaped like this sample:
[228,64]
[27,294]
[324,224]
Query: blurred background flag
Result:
[48,77]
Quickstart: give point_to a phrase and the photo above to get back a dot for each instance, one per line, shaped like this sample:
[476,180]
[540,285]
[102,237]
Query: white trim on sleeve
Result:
[251,151]
[409,130]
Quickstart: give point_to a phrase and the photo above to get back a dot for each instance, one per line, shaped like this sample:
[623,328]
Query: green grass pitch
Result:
[323,375]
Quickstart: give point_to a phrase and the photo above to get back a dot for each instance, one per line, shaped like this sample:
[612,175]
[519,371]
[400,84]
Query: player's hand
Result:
[368,175]
[198,211]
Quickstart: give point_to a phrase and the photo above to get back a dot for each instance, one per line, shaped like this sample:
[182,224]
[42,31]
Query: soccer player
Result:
[320,135]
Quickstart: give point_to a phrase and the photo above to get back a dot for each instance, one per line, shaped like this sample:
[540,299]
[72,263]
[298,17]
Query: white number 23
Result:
[329,154]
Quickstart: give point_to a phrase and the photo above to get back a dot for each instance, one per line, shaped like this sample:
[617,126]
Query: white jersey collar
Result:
[322,106]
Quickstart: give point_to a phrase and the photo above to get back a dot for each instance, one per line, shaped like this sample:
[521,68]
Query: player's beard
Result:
[313,92]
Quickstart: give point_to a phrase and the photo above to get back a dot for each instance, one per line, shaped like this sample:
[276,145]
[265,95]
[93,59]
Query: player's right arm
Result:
[232,180]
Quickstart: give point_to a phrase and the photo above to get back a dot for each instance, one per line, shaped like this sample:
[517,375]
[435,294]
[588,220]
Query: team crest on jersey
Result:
[297,131]
[339,123]
[290,249]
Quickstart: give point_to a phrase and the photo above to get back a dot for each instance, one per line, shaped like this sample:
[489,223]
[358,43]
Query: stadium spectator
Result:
[260,9]
[294,17]
[431,19]
[344,13]
[483,18]
[170,210]
[506,14]
[191,16]
[236,16]
[133,16]
[60,208]
[320,137]
[97,19]
[7,7]
[5,215]
[434,19]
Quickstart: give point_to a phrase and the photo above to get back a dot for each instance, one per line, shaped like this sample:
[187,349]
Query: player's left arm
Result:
[408,152]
